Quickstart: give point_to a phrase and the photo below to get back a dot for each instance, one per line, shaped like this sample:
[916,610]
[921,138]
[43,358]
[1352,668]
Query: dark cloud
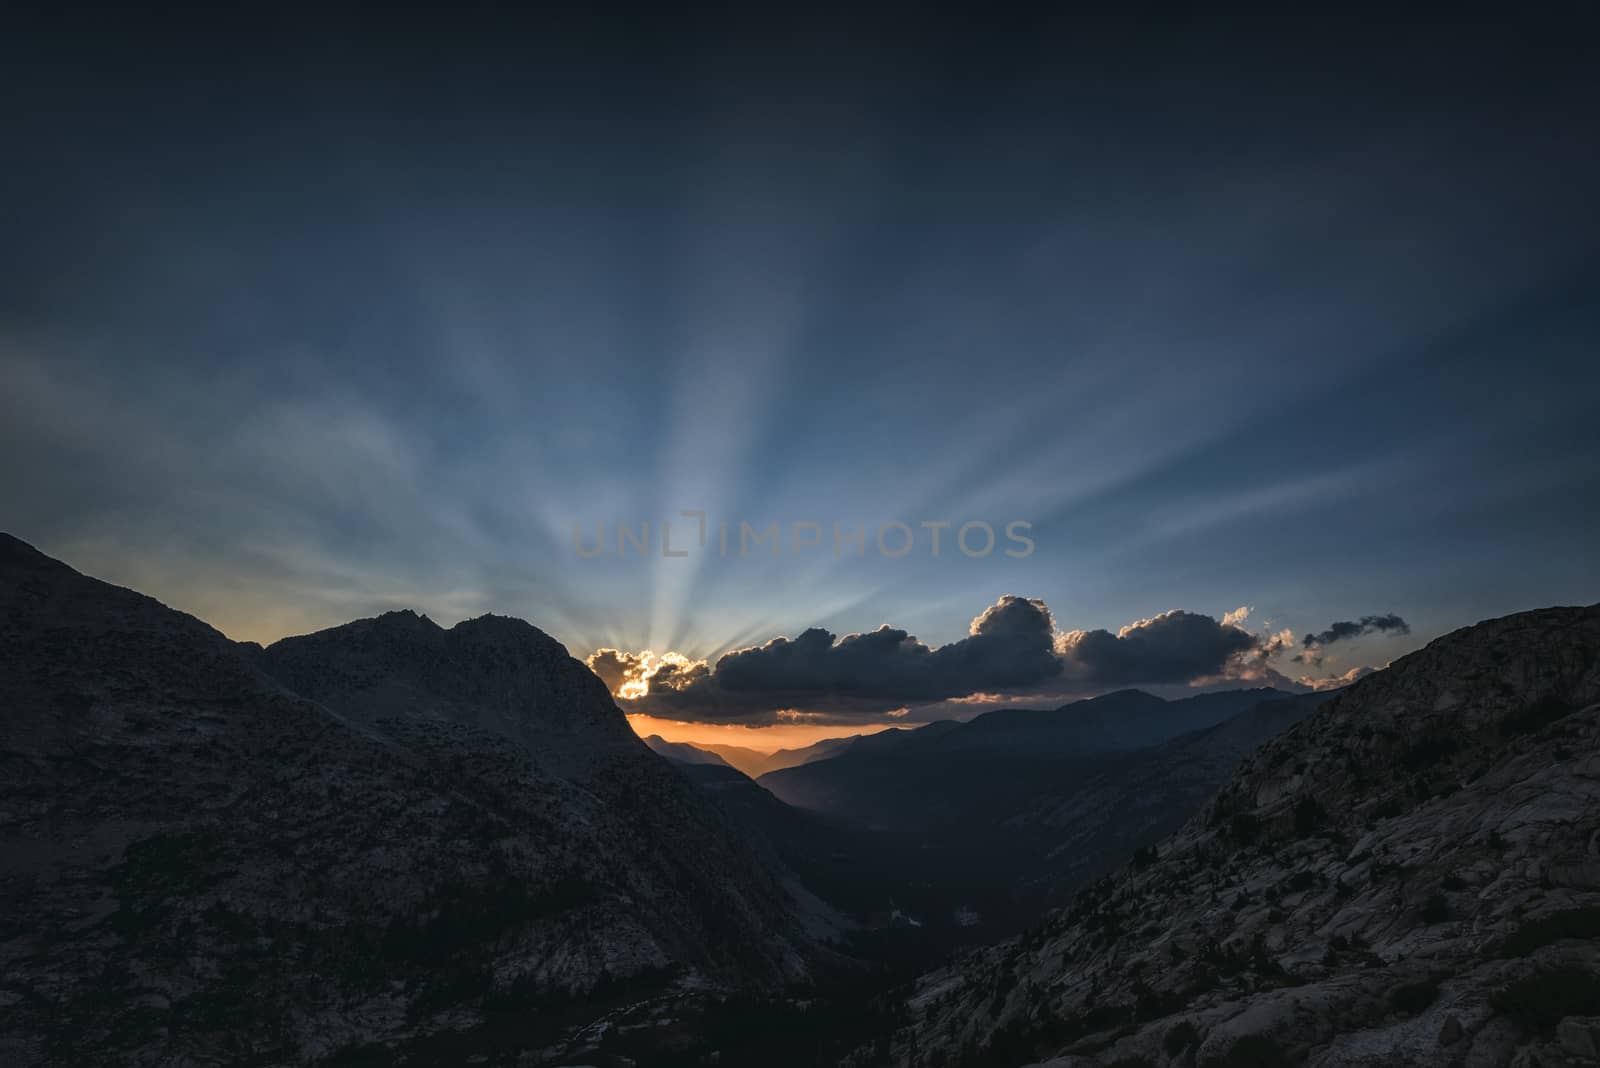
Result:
[1009,646]
[1012,648]
[1347,629]
[623,672]
[1174,647]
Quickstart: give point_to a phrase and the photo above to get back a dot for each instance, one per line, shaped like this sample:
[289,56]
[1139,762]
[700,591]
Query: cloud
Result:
[636,674]
[1334,682]
[1311,654]
[1347,629]
[1174,647]
[1009,645]
[1012,651]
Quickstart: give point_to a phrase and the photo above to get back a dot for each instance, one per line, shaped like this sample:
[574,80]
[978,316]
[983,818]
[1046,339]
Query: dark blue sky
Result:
[307,319]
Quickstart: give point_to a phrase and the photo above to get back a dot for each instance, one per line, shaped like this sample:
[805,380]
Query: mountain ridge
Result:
[958,769]
[208,865]
[1408,875]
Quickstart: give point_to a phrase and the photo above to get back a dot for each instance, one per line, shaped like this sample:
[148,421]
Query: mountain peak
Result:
[491,627]
[496,673]
[405,617]
[1126,696]
[412,817]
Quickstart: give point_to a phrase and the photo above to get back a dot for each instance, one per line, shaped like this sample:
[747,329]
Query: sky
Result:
[1228,333]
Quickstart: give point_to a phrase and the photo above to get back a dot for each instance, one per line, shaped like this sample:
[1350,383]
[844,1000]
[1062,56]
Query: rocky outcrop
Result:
[384,840]
[1406,877]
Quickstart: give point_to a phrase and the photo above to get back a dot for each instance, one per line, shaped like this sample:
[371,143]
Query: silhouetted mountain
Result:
[1091,825]
[790,758]
[756,764]
[984,771]
[1125,719]
[387,837]
[987,824]
[683,752]
[1410,875]
[750,761]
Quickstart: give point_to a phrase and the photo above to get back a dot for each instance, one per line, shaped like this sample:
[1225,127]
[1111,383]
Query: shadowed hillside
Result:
[383,836]
[1408,876]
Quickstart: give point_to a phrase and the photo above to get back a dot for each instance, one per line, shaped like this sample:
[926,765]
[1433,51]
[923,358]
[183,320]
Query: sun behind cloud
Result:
[628,675]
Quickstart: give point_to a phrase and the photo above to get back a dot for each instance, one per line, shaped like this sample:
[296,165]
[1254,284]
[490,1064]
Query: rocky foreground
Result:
[1411,876]
[384,843]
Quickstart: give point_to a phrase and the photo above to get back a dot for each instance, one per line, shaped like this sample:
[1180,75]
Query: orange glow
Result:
[762,739]
[638,684]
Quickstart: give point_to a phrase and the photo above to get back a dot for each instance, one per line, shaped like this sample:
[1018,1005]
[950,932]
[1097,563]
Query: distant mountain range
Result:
[976,829]
[683,752]
[755,763]
[985,771]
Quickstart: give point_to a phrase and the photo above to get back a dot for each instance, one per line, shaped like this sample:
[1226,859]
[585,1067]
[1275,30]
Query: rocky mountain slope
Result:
[1088,825]
[387,840]
[1411,875]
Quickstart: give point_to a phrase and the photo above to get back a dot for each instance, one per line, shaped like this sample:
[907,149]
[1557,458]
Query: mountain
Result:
[756,764]
[1410,875]
[750,761]
[386,840]
[982,772]
[822,750]
[1088,826]
[977,829]
[1121,720]
[683,752]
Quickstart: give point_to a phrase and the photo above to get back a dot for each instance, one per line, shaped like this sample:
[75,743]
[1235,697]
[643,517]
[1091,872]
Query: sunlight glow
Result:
[649,665]
[766,739]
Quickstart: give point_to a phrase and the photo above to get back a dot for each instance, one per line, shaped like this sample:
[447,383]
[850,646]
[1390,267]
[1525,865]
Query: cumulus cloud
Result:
[1346,629]
[636,674]
[1008,645]
[1174,647]
[1013,651]
[1012,647]
[1334,682]
[880,673]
